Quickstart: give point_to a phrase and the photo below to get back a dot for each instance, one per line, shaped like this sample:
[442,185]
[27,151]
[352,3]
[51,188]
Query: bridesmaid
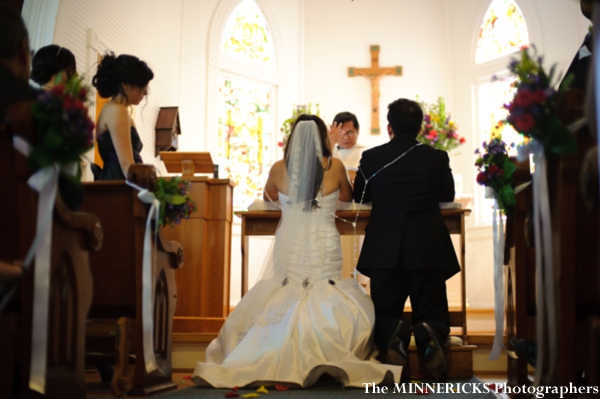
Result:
[123,79]
[52,65]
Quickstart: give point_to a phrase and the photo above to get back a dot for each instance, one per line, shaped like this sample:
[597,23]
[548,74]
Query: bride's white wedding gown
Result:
[303,321]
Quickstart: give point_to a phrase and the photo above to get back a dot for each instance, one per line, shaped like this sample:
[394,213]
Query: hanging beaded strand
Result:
[367,180]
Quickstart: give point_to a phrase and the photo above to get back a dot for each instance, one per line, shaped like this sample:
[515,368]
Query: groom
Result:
[407,250]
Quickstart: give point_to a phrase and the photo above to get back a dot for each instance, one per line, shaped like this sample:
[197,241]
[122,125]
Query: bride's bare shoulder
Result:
[337,164]
[278,166]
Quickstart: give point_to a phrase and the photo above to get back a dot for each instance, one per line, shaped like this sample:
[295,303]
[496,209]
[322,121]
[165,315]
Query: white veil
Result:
[298,201]
[303,184]
[304,164]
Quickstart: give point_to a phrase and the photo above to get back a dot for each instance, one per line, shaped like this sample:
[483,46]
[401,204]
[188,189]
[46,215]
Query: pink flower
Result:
[525,123]
[432,134]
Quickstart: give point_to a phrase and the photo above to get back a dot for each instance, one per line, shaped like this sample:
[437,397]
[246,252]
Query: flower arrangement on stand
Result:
[495,171]
[286,128]
[533,109]
[439,130]
[176,203]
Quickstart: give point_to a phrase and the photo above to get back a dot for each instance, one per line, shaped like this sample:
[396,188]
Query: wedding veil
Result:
[304,168]
[304,165]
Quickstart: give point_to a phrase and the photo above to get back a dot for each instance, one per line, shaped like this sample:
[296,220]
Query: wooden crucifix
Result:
[374,73]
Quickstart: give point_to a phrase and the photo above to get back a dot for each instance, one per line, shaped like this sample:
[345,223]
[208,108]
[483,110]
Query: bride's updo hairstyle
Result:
[50,60]
[114,71]
[326,150]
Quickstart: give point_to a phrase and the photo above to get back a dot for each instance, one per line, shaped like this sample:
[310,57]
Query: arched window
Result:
[245,144]
[246,34]
[502,32]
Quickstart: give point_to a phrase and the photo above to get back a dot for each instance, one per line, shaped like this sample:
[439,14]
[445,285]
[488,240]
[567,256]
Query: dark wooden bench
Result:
[74,235]
[118,284]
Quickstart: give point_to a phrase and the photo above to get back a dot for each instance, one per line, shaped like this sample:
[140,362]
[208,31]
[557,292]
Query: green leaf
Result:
[567,81]
[175,199]
[508,167]
[561,141]
[507,194]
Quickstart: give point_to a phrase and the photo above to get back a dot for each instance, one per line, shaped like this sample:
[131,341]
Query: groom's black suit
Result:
[407,249]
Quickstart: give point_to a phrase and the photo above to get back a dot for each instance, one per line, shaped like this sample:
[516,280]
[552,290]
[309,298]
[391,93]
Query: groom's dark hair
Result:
[405,117]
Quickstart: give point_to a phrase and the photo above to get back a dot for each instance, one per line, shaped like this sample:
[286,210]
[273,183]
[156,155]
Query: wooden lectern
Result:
[203,285]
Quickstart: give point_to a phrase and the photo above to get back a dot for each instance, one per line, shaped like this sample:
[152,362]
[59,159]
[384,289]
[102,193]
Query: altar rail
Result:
[264,223]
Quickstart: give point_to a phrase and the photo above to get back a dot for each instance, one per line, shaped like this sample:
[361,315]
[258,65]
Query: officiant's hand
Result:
[335,133]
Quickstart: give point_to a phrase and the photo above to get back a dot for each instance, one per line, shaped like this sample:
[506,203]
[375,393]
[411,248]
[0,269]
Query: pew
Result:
[573,196]
[74,235]
[116,309]
[519,260]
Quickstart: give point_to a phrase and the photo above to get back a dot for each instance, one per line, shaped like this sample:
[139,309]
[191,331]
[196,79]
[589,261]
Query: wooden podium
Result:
[203,284]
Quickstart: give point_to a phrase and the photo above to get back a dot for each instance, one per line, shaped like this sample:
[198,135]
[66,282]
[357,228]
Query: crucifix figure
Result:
[374,73]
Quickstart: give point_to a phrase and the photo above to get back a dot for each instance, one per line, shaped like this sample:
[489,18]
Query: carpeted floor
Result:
[473,388]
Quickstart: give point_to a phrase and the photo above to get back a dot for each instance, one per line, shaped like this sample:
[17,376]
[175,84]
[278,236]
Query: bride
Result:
[301,319]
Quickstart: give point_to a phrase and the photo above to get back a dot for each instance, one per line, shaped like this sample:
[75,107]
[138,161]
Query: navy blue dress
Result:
[112,169]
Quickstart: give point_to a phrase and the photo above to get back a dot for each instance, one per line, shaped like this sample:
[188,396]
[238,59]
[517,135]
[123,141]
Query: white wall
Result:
[338,35]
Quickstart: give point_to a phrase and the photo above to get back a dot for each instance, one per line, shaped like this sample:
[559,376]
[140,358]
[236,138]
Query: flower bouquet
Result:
[495,171]
[439,131]
[175,202]
[64,130]
[533,110]
[63,133]
[286,128]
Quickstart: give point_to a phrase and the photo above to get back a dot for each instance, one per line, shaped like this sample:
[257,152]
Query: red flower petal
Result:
[280,387]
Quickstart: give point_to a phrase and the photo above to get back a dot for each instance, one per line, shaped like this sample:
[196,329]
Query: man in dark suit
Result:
[15,61]
[579,68]
[407,250]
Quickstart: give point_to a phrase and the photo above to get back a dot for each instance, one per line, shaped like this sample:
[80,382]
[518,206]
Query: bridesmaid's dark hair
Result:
[114,71]
[50,60]
[324,145]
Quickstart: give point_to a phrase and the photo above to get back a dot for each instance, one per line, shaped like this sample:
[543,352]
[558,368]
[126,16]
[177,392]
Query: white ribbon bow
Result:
[45,182]
[546,300]
[148,197]
[498,230]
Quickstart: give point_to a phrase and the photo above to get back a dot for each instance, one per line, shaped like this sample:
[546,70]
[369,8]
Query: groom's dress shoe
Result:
[397,350]
[434,355]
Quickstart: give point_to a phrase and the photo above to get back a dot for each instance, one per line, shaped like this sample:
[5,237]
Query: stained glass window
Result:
[503,31]
[246,34]
[245,136]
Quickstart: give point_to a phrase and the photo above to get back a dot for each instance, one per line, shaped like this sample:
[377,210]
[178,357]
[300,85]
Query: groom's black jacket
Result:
[406,226]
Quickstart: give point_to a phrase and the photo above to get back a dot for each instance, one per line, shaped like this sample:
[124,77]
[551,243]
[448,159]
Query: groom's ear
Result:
[390,131]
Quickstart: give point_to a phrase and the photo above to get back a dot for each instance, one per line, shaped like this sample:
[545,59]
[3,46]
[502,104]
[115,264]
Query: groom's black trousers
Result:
[427,291]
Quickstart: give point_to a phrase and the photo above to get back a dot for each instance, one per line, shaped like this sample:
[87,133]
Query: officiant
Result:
[343,137]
